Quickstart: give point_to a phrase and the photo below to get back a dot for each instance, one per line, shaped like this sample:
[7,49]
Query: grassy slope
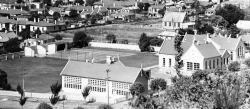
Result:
[41,73]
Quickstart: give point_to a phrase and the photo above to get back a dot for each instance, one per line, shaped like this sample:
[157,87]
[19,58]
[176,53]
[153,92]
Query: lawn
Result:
[41,72]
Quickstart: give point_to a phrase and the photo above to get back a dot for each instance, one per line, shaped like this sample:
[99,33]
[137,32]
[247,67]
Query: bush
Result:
[3,78]
[92,100]
[2,51]
[124,41]
[44,106]
[155,41]
[81,39]
[104,106]
[108,22]
[58,37]
[111,38]
[7,87]
[144,43]
[234,66]
[247,62]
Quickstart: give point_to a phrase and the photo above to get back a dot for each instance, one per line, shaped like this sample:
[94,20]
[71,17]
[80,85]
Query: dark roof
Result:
[98,71]
[43,24]
[158,6]
[13,11]
[208,50]
[45,37]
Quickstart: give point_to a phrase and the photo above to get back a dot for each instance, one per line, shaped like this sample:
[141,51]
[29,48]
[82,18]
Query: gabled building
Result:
[76,75]
[174,20]
[45,26]
[153,10]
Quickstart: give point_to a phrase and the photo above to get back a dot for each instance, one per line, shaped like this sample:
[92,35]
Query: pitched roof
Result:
[8,1]
[245,38]
[56,9]
[160,6]
[43,24]
[208,50]
[45,37]
[4,37]
[200,38]
[98,71]
[168,47]
[205,3]
[174,16]
[13,11]
[243,24]
[226,43]
[78,8]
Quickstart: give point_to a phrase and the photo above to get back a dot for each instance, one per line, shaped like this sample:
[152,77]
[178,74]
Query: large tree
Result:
[47,2]
[25,34]
[111,38]
[86,91]
[79,1]
[90,2]
[73,13]
[233,31]
[178,48]
[19,1]
[56,15]
[137,89]
[13,45]
[231,13]
[55,89]
[3,78]
[57,3]
[158,84]
[22,99]
[144,43]
[81,39]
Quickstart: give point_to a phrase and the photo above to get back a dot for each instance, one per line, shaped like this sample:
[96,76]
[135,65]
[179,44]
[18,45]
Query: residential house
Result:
[210,11]
[114,8]
[243,4]
[38,11]
[6,3]
[6,36]
[37,5]
[98,4]
[153,10]
[86,11]
[125,16]
[45,26]
[168,35]
[243,24]
[79,9]
[76,75]
[175,20]
[52,10]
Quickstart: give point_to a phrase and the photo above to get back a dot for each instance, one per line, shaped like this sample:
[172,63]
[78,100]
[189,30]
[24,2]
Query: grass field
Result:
[41,72]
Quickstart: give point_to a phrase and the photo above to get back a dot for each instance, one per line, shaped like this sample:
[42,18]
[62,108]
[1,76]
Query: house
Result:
[76,75]
[153,10]
[37,5]
[13,12]
[114,8]
[174,20]
[243,4]
[39,40]
[124,16]
[52,10]
[5,36]
[86,12]
[243,24]
[78,8]
[44,26]
[210,11]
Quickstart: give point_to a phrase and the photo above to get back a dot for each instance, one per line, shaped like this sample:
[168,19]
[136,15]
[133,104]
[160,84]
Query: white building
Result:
[243,24]
[77,75]
[44,26]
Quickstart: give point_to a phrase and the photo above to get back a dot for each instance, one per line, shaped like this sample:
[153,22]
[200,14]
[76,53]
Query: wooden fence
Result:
[10,56]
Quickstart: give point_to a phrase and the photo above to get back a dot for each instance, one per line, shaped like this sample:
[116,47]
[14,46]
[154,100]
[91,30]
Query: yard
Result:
[41,72]
[129,31]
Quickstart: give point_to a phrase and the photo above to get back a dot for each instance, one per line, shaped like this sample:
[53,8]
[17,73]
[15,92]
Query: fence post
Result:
[77,56]
[6,57]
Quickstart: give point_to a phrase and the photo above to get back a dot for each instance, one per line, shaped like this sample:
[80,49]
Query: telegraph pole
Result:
[23,74]
[107,71]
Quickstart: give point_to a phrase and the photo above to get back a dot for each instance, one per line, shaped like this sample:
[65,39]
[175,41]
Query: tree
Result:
[140,5]
[90,2]
[136,89]
[58,37]
[247,17]
[73,13]
[85,93]
[162,11]
[15,28]
[179,50]
[111,38]
[234,66]
[25,33]
[57,3]
[36,32]
[47,2]
[218,20]
[247,62]
[158,84]
[12,45]
[19,1]
[44,105]
[3,78]
[233,31]
[81,39]
[208,29]
[144,43]
[104,106]
[79,1]
[55,89]
[22,99]
[56,15]
[146,6]
[155,41]
[231,13]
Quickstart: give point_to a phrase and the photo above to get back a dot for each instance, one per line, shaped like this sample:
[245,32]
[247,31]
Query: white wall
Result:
[192,55]
[41,50]
[167,57]
[52,48]
[29,52]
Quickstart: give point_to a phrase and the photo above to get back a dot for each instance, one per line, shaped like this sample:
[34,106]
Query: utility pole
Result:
[107,71]
[23,74]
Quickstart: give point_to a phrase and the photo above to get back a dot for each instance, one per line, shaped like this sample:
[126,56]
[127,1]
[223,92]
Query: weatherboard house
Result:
[76,75]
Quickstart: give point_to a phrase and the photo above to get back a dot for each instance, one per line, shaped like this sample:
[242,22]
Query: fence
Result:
[10,56]
[119,46]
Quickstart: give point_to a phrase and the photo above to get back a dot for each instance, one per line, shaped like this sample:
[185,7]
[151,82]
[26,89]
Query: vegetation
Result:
[155,41]
[55,89]
[158,84]
[3,78]
[81,39]
[22,99]
[144,43]
[179,49]
[57,3]
[12,45]
[111,38]
[37,32]
[56,15]
[25,34]
[73,13]
[247,62]
[90,2]
[136,89]
[104,106]
[234,66]
[58,37]
[80,2]
[233,31]
[86,91]
[44,105]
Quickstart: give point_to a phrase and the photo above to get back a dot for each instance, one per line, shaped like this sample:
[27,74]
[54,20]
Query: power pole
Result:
[107,71]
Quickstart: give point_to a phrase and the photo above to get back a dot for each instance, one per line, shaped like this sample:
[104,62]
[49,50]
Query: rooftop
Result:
[208,50]
[98,71]
[13,11]
[168,47]
[4,37]
[226,42]
[174,16]
[43,24]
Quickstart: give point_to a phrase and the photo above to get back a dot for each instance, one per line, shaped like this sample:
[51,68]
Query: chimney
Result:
[55,22]
[14,7]
[38,20]
[21,8]
[34,20]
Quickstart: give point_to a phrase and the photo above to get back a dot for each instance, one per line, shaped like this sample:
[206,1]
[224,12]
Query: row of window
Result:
[119,92]
[174,24]
[213,63]
[95,82]
[193,66]
[73,86]
[169,62]
[72,82]
[118,85]
[98,89]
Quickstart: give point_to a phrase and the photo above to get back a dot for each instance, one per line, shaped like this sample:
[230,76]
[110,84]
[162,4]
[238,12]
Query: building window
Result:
[196,66]
[164,62]
[213,63]
[169,23]
[227,60]
[189,65]
[97,85]
[72,82]
[210,64]
[169,62]
[231,55]
[165,23]
[217,62]
[119,88]
[179,24]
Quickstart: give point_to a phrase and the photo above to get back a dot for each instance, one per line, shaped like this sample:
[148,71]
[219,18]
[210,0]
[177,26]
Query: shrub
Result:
[234,66]
[155,41]
[104,106]
[108,22]
[137,88]
[92,100]
[111,38]
[81,39]
[2,51]
[124,41]
[58,37]
[7,87]
[144,43]
[3,78]
[44,106]
[247,62]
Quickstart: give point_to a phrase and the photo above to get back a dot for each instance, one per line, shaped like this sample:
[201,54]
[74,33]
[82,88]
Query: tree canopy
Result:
[79,1]
[234,66]
[56,15]
[111,38]
[81,39]
[3,78]
[91,2]
[137,89]
[73,13]
[144,43]
[13,45]
[231,13]
[158,84]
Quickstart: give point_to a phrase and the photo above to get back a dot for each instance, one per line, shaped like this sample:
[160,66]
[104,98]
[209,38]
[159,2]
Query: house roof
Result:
[4,37]
[205,3]
[200,38]
[208,50]
[174,16]
[98,71]
[56,9]
[173,9]
[243,24]
[167,33]
[45,37]
[78,8]
[160,6]
[168,47]
[189,1]
[13,11]
[43,24]
[226,43]
[245,38]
